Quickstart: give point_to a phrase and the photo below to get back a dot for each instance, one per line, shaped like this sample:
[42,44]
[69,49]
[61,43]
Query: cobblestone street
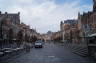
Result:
[50,53]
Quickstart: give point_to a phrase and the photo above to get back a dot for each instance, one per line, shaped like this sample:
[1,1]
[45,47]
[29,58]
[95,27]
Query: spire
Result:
[61,22]
[94,5]
[0,12]
[18,13]
[79,14]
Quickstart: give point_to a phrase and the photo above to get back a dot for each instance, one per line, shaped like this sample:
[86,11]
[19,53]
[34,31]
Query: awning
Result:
[92,35]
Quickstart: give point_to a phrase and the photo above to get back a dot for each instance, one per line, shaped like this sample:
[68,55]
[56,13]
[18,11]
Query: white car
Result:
[38,44]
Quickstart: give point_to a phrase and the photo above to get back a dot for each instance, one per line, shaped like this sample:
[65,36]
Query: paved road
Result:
[51,53]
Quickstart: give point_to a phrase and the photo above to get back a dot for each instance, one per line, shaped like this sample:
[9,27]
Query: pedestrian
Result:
[27,47]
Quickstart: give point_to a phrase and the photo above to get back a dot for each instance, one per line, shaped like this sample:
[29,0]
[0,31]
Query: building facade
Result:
[9,23]
[69,30]
[76,30]
[87,22]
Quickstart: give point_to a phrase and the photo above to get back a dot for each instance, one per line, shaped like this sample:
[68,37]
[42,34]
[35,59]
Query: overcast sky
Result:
[45,15]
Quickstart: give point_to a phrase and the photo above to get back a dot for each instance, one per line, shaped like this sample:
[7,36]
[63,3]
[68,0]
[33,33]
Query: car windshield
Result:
[39,41]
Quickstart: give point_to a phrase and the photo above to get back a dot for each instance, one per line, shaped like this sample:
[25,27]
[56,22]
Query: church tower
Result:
[94,5]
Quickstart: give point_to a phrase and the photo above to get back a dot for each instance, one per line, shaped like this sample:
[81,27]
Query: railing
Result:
[8,51]
[80,49]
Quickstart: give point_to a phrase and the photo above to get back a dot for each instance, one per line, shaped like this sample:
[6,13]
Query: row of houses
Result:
[11,29]
[75,30]
[56,36]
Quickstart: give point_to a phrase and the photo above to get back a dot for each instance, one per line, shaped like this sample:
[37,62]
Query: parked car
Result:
[39,44]
[5,51]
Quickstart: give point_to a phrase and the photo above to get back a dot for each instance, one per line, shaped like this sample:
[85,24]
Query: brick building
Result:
[87,22]
[9,22]
[28,33]
[77,30]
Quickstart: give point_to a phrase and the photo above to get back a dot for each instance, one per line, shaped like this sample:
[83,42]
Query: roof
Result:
[70,21]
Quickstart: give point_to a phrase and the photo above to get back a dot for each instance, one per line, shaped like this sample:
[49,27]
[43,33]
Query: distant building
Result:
[56,36]
[49,32]
[28,33]
[69,29]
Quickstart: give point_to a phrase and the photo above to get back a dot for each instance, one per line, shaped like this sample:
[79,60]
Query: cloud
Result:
[44,15]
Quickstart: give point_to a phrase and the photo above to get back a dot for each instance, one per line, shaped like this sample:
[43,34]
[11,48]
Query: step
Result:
[84,55]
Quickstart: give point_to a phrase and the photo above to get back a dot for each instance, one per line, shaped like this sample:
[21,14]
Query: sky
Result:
[45,15]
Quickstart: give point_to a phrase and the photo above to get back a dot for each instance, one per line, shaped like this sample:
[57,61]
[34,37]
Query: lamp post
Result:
[1,36]
[63,35]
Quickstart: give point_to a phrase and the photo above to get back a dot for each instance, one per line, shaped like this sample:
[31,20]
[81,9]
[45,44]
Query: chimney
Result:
[5,12]
[0,12]
[94,5]
[18,13]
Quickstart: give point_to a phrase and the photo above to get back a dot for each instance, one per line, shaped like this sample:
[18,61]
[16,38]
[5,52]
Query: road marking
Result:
[51,56]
